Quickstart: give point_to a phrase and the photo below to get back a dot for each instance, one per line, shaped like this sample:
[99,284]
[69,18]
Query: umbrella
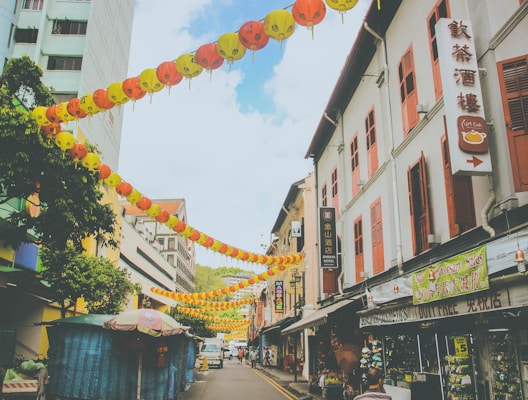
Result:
[148,321]
[145,320]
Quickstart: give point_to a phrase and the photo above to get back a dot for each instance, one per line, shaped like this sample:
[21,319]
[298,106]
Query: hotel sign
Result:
[328,237]
[279,297]
[466,126]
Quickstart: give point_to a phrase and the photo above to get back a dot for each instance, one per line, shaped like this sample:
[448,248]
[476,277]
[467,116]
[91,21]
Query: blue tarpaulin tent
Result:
[88,362]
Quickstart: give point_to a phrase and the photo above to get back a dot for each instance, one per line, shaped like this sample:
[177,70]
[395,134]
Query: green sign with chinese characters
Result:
[456,276]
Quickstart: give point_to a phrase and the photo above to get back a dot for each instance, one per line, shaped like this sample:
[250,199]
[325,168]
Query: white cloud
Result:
[234,169]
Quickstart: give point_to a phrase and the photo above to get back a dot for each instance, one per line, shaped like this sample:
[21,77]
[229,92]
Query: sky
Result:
[231,143]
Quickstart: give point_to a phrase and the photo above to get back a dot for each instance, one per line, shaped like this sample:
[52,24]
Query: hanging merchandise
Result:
[505,375]
[279,25]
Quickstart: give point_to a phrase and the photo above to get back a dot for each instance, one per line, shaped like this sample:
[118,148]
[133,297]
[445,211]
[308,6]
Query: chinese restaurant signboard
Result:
[328,238]
[456,276]
[279,297]
[466,126]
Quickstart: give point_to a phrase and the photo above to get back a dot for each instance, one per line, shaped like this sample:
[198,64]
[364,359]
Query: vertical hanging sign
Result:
[279,297]
[467,130]
[328,239]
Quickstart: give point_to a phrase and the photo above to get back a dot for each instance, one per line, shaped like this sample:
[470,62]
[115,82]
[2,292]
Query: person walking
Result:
[375,389]
[267,356]
[240,354]
[253,357]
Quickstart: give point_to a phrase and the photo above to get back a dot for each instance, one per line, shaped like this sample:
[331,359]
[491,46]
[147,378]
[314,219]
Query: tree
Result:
[69,195]
[103,287]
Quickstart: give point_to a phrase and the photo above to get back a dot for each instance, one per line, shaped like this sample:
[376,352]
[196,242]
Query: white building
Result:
[156,256]
[81,46]
[421,152]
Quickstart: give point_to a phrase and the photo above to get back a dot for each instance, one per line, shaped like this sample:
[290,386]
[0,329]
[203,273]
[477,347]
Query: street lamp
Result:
[295,279]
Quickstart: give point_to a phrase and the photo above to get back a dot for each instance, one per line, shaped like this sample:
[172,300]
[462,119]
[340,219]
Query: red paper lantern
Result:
[252,35]
[101,100]
[209,242]
[308,12]
[124,189]
[144,203]
[208,57]
[232,288]
[195,235]
[163,216]
[74,108]
[223,248]
[51,130]
[51,115]
[168,74]
[104,171]
[180,226]
[78,152]
[132,88]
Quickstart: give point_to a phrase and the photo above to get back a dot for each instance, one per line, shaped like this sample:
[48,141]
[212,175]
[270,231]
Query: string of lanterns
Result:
[217,304]
[278,25]
[233,328]
[194,313]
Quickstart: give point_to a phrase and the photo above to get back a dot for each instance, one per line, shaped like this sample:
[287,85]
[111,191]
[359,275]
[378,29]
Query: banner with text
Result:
[328,237]
[279,297]
[456,276]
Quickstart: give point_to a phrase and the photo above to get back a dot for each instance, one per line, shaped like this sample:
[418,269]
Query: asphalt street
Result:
[236,382]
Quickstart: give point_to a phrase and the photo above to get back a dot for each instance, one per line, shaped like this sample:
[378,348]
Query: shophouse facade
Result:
[419,154]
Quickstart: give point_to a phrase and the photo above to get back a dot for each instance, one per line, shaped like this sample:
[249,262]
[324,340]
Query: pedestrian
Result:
[375,389]
[253,357]
[267,356]
[240,354]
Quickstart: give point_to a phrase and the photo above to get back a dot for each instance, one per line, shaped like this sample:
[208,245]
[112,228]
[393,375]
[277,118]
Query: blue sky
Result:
[231,144]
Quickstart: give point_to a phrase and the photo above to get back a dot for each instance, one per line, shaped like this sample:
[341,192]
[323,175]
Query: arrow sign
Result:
[475,161]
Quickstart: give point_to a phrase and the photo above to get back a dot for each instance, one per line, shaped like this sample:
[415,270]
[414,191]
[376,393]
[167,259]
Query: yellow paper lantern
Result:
[91,161]
[149,82]
[187,67]
[86,103]
[172,221]
[113,180]
[62,112]
[154,210]
[64,140]
[116,94]
[230,47]
[279,25]
[134,196]
[39,113]
[341,5]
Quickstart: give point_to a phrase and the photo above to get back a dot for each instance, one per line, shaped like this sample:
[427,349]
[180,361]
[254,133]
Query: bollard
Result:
[204,366]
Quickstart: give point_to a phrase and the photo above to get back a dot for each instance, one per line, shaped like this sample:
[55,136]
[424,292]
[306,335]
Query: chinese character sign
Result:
[459,275]
[279,297]
[467,130]
[328,238]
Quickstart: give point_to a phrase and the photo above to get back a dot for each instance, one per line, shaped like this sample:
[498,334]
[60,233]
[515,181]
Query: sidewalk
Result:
[286,379]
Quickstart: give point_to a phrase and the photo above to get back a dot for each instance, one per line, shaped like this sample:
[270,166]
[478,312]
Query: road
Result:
[235,382]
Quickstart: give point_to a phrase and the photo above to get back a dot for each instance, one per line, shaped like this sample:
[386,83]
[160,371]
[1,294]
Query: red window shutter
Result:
[412,207]
[359,256]
[440,10]
[354,164]
[372,143]
[408,92]
[324,196]
[513,76]
[419,203]
[448,182]
[330,280]
[335,196]
[378,261]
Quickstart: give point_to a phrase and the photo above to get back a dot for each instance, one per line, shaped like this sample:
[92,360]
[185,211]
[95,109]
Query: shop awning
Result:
[283,323]
[318,317]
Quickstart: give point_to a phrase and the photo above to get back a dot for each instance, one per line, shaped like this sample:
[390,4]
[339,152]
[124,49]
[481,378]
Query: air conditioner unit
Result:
[422,109]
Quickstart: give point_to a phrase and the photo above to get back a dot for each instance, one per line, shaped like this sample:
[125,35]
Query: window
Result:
[372,147]
[34,5]
[170,259]
[459,196]
[26,35]
[376,227]
[354,164]
[358,249]
[513,75]
[419,206]
[171,243]
[324,196]
[408,92]
[67,27]
[440,10]
[335,197]
[64,63]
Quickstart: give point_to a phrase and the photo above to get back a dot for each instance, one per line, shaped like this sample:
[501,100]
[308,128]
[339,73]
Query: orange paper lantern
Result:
[308,12]
[132,88]
[252,35]
[51,115]
[74,108]
[124,189]
[78,152]
[104,171]
[168,74]
[208,57]
[101,100]
[144,203]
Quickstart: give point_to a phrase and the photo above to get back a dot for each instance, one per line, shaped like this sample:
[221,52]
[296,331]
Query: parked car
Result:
[227,354]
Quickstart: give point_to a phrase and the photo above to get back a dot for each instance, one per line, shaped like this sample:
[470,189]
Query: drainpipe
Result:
[484,213]
[396,211]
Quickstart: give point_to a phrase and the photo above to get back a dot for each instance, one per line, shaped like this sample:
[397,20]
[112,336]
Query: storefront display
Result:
[505,375]
[458,368]
[401,359]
